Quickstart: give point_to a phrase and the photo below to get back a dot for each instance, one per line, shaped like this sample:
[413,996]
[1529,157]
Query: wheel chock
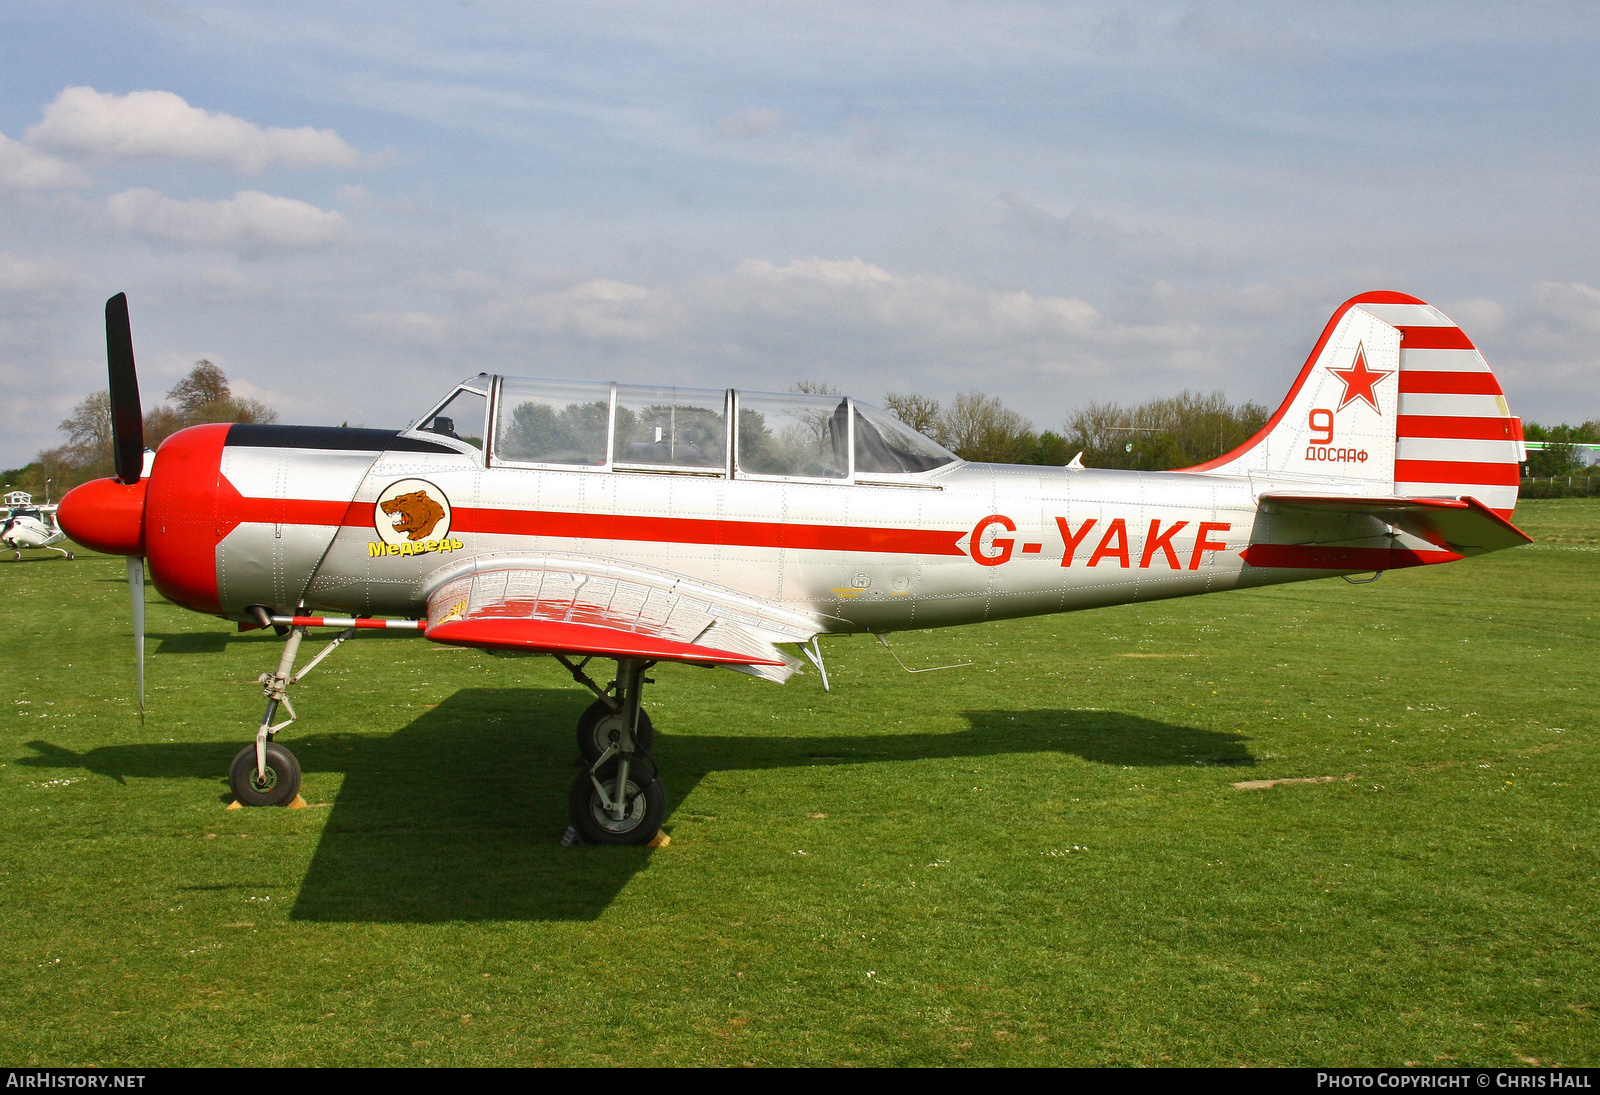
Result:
[660,840]
[299,803]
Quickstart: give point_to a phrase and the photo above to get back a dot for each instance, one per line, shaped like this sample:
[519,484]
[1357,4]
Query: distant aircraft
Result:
[640,523]
[26,526]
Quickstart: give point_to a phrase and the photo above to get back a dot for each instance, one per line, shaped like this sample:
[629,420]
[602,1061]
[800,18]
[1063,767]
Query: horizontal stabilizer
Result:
[560,637]
[1465,527]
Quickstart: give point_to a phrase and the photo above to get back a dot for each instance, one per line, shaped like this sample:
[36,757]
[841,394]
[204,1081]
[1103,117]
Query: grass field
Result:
[1040,859]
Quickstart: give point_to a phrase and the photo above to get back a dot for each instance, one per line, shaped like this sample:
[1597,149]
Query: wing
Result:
[1337,532]
[571,604]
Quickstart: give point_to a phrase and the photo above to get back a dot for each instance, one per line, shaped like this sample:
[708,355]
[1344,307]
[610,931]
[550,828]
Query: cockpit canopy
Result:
[522,422]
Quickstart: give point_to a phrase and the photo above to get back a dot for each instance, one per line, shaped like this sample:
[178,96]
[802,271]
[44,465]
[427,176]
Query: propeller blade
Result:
[136,595]
[127,417]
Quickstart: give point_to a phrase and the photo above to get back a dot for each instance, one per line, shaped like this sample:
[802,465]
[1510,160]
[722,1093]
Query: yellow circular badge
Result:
[411,511]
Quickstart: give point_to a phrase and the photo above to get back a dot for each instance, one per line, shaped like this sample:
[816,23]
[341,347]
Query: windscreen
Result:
[462,418]
[887,446]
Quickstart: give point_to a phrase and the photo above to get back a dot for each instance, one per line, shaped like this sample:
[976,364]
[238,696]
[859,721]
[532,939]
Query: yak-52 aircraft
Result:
[584,519]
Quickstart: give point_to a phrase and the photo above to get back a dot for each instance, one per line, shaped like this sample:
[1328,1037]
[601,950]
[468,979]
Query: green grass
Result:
[1040,859]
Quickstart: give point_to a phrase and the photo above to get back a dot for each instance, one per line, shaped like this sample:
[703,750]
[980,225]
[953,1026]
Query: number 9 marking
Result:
[1325,426]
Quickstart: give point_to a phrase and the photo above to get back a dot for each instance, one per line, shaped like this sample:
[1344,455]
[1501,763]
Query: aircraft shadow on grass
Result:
[455,817]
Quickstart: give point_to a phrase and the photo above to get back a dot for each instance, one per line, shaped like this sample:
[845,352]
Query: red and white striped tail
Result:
[1394,401]
[1456,435]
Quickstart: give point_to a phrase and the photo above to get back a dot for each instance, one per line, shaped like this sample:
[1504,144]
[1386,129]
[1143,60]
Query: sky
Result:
[349,207]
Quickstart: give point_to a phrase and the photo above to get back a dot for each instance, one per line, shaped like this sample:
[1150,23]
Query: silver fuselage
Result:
[960,544]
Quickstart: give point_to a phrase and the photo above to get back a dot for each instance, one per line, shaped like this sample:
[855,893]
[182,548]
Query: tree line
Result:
[1171,432]
[1562,456]
[1157,435]
[203,395]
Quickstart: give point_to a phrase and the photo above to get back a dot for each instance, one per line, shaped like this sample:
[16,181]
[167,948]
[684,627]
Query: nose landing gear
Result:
[266,773]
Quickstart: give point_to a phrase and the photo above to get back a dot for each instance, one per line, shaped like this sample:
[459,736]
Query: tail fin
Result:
[1394,401]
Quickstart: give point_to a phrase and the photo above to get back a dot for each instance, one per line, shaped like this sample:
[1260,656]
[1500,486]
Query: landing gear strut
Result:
[16,552]
[267,774]
[617,798]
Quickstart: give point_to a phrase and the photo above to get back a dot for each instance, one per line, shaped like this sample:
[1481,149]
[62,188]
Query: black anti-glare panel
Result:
[350,438]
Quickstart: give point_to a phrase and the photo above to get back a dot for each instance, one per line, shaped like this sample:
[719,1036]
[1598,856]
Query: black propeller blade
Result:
[127,417]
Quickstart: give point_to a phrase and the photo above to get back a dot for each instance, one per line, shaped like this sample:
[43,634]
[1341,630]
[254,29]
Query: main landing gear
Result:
[617,798]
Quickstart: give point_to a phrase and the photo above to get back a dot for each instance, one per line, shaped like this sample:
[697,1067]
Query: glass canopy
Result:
[591,424]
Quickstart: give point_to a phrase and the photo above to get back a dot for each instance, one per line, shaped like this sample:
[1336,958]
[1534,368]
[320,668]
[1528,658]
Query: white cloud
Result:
[1478,316]
[408,328]
[249,222]
[815,312]
[161,125]
[24,168]
[751,123]
[34,276]
[1568,307]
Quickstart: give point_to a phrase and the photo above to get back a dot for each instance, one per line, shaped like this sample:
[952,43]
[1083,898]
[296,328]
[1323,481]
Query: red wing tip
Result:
[1353,560]
[560,637]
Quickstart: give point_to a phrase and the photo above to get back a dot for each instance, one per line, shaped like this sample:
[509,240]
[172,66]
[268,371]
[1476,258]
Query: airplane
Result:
[638,524]
[26,525]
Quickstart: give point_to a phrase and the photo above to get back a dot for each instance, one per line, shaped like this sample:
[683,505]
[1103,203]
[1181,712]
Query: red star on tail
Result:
[1358,381]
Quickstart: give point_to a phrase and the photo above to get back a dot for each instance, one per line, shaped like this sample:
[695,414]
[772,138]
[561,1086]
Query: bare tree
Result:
[1172,432]
[89,424]
[204,396]
[205,384]
[814,387]
[979,427]
[920,412]
[201,396]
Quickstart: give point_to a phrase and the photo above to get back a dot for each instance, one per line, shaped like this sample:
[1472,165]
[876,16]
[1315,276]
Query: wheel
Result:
[646,805]
[71,556]
[282,782]
[599,726]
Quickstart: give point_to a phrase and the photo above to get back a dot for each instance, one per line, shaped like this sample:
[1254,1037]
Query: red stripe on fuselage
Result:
[681,530]
[610,526]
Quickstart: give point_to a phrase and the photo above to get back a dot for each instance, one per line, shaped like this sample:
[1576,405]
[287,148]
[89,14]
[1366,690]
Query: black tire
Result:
[646,799]
[71,556]
[282,781]
[599,726]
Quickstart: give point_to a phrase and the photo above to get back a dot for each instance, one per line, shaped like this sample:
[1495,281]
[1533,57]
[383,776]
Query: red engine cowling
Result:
[190,507]
[175,518]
